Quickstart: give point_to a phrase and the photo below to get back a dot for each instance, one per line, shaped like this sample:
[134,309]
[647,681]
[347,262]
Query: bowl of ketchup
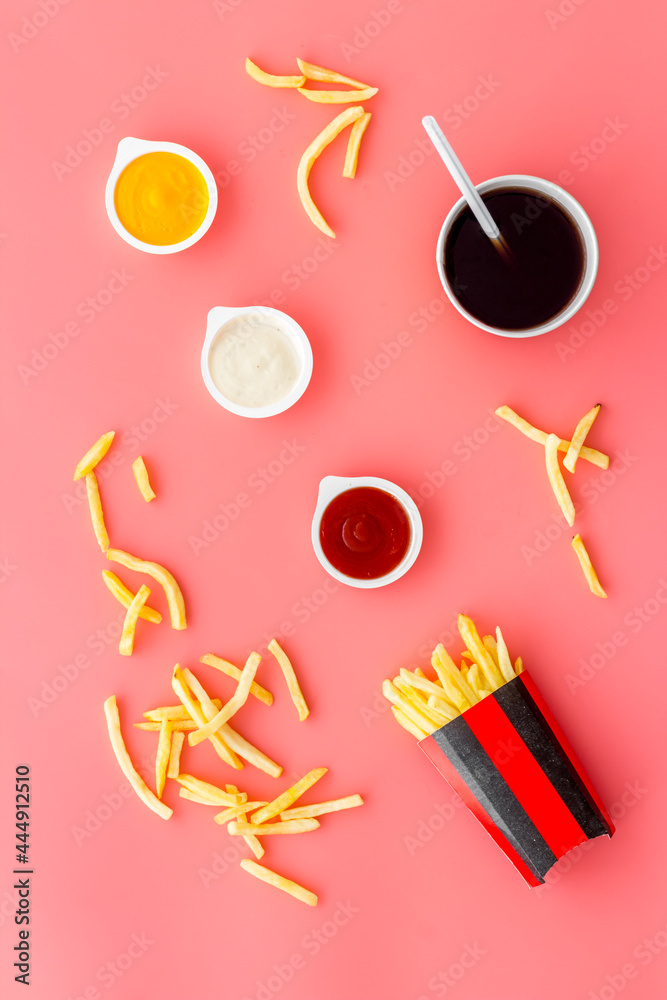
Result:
[366,532]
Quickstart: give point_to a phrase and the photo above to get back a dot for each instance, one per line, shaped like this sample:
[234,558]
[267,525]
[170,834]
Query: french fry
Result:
[163,577]
[323,75]
[424,684]
[202,800]
[556,478]
[143,482]
[177,726]
[578,438]
[233,705]
[504,662]
[590,454]
[518,666]
[353,144]
[470,636]
[320,808]
[408,724]
[127,638]
[94,455]
[269,80]
[285,800]
[228,668]
[235,811]
[587,567]
[253,842]
[231,738]
[450,676]
[415,715]
[196,712]
[238,829]
[125,596]
[208,791]
[319,143]
[162,758]
[338,96]
[174,712]
[279,881]
[126,765]
[290,678]
[96,513]
[420,701]
[174,766]
[479,681]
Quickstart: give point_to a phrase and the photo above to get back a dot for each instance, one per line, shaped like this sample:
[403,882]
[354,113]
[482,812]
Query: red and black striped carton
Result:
[509,761]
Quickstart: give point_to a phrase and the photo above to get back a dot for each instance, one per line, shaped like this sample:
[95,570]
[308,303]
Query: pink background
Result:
[405,890]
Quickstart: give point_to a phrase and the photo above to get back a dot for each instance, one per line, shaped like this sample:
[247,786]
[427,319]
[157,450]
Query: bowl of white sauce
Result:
[256,361]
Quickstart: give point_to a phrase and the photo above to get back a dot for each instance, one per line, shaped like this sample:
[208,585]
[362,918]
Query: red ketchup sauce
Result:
[365,533]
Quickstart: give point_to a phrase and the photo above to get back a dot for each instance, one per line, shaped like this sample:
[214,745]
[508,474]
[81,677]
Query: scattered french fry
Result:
[556,478]
[587,567]
[162,758]
[319,143]
[143,482]
[126,765]
[177,726]
[338,96]
[279,881]
[202,800]
[237,829]
[125,596]
[96,513]
[323,75]
[174,766]
[578,438]
[290,678]
[269,80]
[333,805]
[208,791]
[285,800]
[94,455]
[234,811]
[173,712]
[131,615]
[251,840]
[233,705]
[353,144]
[228,668]
[163,577]
[590,454]
[196,712]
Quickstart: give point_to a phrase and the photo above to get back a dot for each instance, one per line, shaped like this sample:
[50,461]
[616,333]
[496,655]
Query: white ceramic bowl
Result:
[572,208]
[130,149]
[331,487]
[218,318]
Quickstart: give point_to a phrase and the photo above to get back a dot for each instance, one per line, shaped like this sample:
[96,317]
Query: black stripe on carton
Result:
[466,753]
[519,707]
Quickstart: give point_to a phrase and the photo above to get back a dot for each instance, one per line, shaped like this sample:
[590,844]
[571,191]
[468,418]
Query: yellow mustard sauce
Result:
[161,198]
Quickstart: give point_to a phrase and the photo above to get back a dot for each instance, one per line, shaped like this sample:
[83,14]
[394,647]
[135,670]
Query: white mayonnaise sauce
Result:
[253,361]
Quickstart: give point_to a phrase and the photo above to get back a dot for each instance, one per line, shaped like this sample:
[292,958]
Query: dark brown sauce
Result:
[543,273]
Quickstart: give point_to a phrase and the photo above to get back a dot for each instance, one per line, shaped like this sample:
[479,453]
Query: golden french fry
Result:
[177,726]
[163,577]
[253,842]
[235,811]
[412,728]
[578,438]
[197,714]
[233,705]
[237,829]
[127,638]
[202,800]
[143,482]
[556,478]
[94,455]
[96,513]
[478,680]
[125,596]
[174,766]
[285,800]
[279,881]
[414,714]
[320,808]
[420,701]
[208,791]
[269,80]
[126,765]
[470,636]
[163,756]
[231,738]
[319,143]
[290,678]
[451,678]
[338,96]
[228,668]
[312,72]
[590,454]
[587,566]
[518,666]
[504,662]
[444,708]
[353,144]
[173,712]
